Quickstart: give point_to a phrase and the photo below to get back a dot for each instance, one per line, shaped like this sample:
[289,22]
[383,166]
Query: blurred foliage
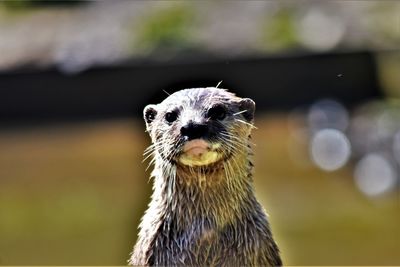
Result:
[166,28]
[279,31]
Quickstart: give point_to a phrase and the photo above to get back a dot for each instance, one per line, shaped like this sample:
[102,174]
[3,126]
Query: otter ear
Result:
[248,107]
[149,114]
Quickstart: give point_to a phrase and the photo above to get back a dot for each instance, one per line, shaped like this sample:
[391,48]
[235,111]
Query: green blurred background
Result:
[72,192]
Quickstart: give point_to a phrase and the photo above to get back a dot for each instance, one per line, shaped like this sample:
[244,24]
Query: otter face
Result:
[199,127]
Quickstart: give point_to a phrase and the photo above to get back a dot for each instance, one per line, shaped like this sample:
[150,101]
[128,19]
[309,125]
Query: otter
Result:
[203,211]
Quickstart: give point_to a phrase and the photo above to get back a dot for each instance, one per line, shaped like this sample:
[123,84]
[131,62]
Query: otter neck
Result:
[214,194]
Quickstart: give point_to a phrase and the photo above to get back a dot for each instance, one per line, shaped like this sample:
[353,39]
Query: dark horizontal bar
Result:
[278,83]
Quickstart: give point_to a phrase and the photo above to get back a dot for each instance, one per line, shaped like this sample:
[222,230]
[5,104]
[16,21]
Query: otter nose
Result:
[194,130]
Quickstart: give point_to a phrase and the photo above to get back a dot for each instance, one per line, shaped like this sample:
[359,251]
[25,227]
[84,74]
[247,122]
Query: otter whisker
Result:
[149,151]
[150,147]
[233,138]
[227,142]
[152,161]
[150,154]
[238,139]
[249,124]
[231,147]
[237,143]
[240,112]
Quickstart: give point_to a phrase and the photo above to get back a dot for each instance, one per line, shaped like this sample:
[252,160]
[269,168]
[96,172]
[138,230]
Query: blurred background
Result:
[75,76]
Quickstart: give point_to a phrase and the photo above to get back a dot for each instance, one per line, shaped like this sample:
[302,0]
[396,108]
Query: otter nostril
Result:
[194,130]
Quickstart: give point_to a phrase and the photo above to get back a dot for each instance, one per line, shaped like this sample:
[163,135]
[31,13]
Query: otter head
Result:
[199,127]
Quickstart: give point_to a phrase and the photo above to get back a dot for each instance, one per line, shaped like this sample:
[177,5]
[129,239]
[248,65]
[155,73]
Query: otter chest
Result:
[197,244]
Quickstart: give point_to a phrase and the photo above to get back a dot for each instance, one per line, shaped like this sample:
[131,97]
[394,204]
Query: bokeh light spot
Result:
[374,175]
[330,149]
[328,113]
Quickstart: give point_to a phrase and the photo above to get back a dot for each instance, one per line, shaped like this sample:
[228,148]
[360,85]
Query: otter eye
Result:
[217,112]
[171,116]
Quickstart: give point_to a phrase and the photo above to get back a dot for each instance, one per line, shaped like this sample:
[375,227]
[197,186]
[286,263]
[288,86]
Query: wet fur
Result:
[204,215]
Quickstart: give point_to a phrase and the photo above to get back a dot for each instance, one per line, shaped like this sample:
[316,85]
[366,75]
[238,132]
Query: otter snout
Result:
[197,150]
[193,130]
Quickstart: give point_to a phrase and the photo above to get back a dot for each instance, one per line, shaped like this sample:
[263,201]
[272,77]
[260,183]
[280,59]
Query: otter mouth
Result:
[199,152]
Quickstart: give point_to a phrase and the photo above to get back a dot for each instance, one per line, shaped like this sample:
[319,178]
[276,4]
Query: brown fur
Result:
[207,215]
